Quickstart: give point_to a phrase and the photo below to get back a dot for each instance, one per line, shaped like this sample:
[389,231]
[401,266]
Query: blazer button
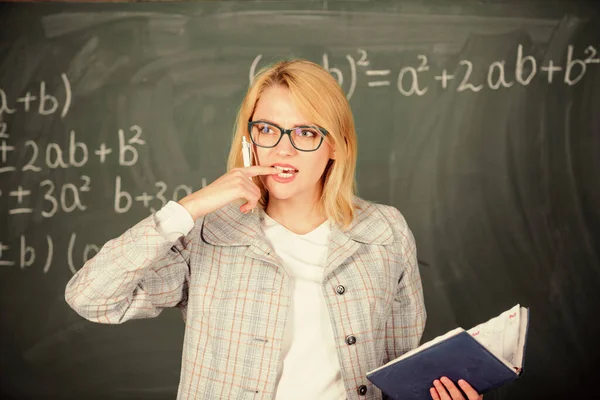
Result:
[340,289]
[350,340]
[362,390]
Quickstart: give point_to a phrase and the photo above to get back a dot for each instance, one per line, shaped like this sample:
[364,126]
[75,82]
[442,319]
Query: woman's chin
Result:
[286,191]
[280,193]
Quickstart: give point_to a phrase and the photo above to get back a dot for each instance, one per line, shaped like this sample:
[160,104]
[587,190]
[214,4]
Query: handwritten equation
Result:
[25,256]
[76,154]
[53,97]
[68,197]
[32,161]
[41,100]
[416,80]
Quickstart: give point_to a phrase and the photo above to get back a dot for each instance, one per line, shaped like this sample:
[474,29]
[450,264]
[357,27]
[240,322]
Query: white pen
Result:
[247,154]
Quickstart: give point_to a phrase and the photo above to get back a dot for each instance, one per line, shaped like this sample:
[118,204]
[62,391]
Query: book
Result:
[487,356]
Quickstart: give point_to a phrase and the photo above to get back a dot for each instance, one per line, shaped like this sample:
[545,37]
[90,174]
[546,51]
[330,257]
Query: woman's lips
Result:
[283,177]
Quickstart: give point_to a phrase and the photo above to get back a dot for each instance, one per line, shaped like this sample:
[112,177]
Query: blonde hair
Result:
[320,98]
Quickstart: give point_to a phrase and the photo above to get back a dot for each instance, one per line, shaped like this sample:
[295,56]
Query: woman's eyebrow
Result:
[276,123]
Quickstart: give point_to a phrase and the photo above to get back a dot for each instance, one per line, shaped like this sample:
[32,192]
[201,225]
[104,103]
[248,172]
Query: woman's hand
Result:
[445,389]
[235,184]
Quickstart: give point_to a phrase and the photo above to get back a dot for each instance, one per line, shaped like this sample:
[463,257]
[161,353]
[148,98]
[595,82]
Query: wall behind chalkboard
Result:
[477,119]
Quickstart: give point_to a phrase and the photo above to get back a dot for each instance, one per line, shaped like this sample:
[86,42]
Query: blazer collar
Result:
[228,226]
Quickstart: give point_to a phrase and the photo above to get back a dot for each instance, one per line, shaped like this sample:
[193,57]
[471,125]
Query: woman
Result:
[291,287]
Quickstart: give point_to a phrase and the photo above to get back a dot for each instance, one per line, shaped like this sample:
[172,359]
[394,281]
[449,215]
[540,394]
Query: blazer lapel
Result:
[261,249]
[368,227]
[341,247]
[228,226]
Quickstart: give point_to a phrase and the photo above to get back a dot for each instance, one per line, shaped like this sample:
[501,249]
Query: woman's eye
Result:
[305,133]
[265,129]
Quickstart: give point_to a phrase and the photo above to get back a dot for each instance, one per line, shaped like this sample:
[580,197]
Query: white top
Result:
[309,368]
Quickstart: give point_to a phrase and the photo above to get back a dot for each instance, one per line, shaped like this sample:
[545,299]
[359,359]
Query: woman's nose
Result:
[285,146]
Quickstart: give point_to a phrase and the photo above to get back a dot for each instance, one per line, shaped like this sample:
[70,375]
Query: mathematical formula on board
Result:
[69,197]
[51,199]
[416,80]
[47,198]
[24,255]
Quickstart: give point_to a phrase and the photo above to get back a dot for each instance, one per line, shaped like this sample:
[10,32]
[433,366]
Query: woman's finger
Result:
[441,390]
[248,191]
[251,201]
[469,391]
[250,187]
[452,389]
[434,394]
[243,185]
[259,170]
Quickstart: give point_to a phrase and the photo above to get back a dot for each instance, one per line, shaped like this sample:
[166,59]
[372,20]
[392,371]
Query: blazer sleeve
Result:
[406,323]
[137,274]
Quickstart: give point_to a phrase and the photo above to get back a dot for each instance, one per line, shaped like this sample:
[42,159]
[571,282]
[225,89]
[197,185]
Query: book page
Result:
[522,337]
[501,334]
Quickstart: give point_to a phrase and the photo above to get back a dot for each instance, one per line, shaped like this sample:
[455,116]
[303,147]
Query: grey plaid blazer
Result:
[234,296]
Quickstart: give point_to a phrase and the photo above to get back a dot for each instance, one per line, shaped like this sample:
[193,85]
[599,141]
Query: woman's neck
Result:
[297,216]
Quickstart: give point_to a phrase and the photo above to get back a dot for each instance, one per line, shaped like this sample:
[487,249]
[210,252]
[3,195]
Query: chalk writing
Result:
[66,197]
[47,103]
[75,154]
[349,86]
[125,200]
[50,197]
[30,257]
[128,154]
[3,261]
[416,79]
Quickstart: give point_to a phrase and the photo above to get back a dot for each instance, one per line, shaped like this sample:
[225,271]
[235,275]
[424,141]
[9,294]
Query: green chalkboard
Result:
[479,120]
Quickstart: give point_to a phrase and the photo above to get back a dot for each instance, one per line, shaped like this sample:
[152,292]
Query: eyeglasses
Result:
[303,138]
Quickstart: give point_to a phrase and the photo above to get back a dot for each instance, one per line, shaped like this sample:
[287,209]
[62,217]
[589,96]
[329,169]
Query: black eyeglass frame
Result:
[283,131]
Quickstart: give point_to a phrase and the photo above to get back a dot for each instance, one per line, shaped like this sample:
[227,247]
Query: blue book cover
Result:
[460,355]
